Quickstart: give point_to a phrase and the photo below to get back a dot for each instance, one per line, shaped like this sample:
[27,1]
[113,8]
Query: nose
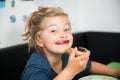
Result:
[63,34]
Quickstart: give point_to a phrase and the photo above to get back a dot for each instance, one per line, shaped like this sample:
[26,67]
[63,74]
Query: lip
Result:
[62,42]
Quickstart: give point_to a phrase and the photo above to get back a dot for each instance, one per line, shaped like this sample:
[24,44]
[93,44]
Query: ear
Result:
[39,42]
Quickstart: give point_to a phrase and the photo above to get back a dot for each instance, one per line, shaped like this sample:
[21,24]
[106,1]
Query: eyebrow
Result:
[52,25]
[68,24]
[55,24]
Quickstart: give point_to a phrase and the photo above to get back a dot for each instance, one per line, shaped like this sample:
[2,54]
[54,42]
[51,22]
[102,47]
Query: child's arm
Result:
[100,68]
[75,65]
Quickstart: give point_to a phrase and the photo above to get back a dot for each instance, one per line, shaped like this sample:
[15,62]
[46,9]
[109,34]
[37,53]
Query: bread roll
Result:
[80,51]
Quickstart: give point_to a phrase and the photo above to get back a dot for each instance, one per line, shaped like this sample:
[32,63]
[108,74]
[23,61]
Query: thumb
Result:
[73,53]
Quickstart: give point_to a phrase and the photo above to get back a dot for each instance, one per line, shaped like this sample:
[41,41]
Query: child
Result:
[49,32]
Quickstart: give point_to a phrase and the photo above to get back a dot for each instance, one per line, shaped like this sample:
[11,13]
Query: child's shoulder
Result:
[38,59]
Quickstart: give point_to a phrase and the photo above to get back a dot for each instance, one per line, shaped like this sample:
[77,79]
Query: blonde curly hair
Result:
[33,26]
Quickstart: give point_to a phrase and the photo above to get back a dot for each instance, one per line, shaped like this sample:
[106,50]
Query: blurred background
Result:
[85,15]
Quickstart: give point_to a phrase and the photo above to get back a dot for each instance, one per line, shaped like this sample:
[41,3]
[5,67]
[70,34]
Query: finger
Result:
[84,56]
[73,53]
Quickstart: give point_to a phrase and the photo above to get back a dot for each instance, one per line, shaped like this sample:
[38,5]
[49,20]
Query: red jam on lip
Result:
[62,42]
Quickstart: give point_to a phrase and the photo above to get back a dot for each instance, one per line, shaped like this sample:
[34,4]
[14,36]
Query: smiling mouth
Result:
[62,42]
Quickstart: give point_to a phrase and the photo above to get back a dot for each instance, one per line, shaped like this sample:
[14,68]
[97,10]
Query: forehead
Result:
[56,20]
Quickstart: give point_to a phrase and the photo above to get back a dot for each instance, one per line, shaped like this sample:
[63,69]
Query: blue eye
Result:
[53,30]
[67,29]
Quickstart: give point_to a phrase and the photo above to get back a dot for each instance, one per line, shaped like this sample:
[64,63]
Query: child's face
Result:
[56,37]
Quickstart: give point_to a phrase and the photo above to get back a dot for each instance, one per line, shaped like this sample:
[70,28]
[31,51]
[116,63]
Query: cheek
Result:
[71,39]
[49,43]
[49,39]
[71,36]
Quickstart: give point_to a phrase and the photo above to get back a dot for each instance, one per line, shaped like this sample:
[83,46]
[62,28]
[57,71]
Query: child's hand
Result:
[77,64]
[118,73]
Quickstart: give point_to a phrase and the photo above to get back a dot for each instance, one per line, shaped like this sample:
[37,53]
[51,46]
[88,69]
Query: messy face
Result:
[56,37]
